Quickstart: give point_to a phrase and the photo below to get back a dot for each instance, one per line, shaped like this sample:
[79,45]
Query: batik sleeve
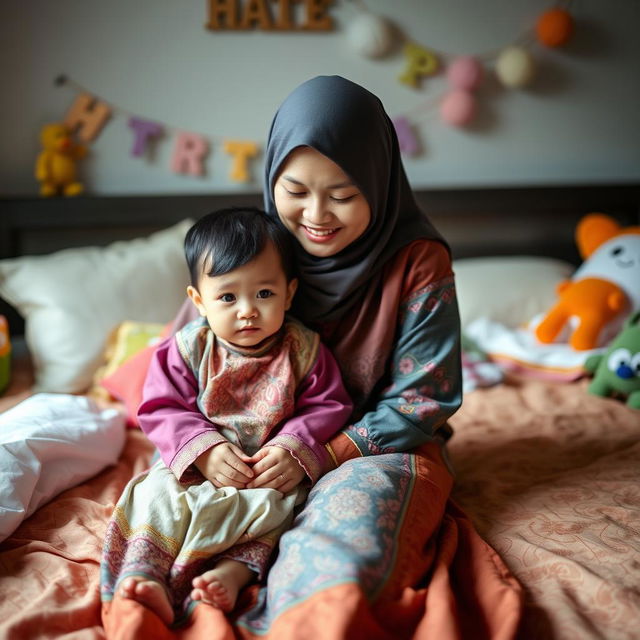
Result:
[169,413]
[425,386]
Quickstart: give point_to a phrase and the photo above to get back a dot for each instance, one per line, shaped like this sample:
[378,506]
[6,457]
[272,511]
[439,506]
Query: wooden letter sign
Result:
[230,15]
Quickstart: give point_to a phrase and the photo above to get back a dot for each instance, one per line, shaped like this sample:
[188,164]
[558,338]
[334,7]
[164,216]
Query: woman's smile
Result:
[316,234]
[319,203]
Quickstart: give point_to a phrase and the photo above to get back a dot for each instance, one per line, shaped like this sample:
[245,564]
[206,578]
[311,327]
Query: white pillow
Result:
[71,300]
[507,289]
[49,443]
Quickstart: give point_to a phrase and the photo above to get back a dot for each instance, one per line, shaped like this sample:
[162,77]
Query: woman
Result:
[378,550]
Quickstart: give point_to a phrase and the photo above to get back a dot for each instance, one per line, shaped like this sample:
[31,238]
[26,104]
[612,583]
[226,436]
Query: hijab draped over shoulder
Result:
[347,124]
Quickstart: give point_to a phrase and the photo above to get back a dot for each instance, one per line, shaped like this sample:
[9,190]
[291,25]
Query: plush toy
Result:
[603,289]
[617,372]
[56,164]
[5,354]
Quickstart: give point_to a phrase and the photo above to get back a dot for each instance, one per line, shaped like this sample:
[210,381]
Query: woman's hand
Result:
[276,468]
[225,465]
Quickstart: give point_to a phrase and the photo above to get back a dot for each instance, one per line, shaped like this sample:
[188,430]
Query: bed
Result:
[549,473]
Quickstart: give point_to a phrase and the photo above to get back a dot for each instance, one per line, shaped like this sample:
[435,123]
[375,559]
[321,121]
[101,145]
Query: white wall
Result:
[578,123]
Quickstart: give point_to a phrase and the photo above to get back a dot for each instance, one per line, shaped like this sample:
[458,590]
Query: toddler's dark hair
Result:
[230,238]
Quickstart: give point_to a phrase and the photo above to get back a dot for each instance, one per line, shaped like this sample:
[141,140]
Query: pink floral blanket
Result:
[550,475]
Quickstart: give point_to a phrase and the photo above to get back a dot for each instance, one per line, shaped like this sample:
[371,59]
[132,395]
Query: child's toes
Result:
[224,602]
[128,587]
[199,583]
[196,594]
[215,588]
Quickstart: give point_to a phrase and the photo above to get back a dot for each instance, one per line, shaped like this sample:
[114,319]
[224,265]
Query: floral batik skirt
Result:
[171,531]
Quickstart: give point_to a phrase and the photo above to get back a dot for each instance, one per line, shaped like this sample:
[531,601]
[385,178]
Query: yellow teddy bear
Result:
[56,164]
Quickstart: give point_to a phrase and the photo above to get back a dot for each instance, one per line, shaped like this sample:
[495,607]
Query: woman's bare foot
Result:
[149,593]
[219,587]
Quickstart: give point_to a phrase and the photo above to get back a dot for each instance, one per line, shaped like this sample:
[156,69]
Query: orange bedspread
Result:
[549,475]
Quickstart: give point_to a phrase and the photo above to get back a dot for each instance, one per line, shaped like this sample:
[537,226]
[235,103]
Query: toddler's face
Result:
[246,305]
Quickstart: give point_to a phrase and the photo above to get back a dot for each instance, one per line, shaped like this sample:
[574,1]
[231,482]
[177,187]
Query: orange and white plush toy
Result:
[56,163]
[5,354]
[603,290]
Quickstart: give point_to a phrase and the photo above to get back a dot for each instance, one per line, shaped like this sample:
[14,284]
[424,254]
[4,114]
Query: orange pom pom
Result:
[554,27]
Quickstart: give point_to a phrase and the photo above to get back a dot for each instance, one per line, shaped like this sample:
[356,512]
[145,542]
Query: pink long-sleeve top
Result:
[200,392]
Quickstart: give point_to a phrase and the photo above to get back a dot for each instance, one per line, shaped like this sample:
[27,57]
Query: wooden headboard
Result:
[476,222]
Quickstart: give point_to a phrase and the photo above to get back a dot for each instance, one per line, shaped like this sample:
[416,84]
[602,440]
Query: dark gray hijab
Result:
[347,124]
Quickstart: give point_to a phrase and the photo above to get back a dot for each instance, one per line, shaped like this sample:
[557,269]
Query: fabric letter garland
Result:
[89,113]
[188,154]
[87,116]
[241,152]
[143,132]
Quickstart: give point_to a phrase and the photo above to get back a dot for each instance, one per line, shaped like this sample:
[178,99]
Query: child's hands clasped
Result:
[275,468]
[225,465]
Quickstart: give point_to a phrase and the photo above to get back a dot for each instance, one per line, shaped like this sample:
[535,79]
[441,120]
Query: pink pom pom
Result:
[465,72]
[458,107]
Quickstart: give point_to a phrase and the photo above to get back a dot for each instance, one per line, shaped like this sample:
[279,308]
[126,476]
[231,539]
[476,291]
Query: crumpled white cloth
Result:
[479,372]
[49,443]
[518,349]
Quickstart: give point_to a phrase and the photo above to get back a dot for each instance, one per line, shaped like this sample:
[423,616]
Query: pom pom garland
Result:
[515,67]
[370,35]
[458,107]
[465,72]
[554,27]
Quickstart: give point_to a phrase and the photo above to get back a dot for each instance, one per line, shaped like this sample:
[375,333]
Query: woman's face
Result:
[319,203]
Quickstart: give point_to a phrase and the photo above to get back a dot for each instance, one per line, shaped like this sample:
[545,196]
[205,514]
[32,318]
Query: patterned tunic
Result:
[201,392]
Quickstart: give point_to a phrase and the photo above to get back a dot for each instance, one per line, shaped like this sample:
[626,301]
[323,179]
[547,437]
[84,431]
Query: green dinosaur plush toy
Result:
[617,371]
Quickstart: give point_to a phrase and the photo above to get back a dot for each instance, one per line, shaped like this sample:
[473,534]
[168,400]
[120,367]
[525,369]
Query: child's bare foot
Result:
[149,593]
[219,587]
